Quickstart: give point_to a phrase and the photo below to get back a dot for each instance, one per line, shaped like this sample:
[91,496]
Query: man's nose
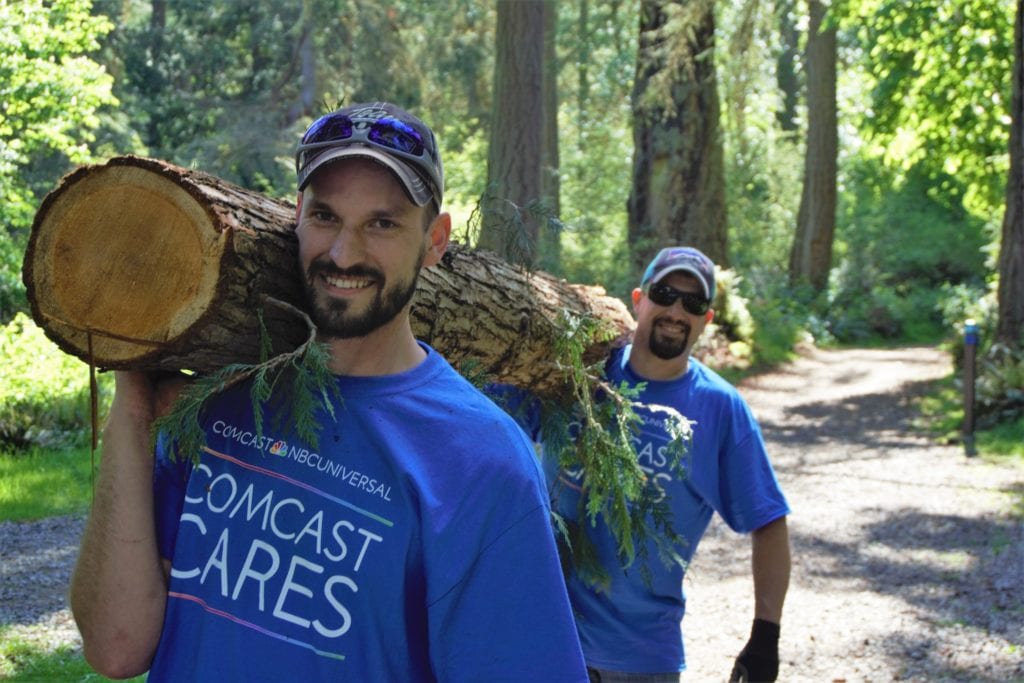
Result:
[677,307]
[348,247]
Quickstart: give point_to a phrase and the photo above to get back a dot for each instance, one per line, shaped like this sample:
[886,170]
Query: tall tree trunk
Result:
[306,49]
[550,246]
[1010,328]
[810,258]
[583,67]
[515,155]
[155,84]
[678,192]
[786,66]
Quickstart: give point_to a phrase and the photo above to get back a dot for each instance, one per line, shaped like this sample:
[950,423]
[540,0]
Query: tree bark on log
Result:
[140,264]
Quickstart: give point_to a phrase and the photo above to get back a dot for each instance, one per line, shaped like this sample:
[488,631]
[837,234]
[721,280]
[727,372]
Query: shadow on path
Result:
[871,423]
[953,571]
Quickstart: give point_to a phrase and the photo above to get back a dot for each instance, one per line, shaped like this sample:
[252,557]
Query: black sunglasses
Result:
[663,295]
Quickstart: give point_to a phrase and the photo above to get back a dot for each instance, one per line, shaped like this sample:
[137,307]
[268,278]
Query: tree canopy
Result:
[51,95]
[51,92]
[922,113]
[939,87]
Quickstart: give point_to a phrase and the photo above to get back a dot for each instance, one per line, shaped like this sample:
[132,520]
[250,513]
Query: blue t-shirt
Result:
[635,625]
[414,544]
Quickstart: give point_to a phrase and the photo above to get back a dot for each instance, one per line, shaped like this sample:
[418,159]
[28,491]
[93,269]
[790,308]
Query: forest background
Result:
[853,165]
[849,164]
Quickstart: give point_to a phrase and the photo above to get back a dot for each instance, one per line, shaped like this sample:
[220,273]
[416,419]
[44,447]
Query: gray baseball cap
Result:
[380,131]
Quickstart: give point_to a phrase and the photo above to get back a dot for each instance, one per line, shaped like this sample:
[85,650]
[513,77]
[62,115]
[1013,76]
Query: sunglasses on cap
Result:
[389,133]
[694,303]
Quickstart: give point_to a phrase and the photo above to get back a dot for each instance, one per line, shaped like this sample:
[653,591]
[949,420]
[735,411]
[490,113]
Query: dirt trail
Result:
[907,561]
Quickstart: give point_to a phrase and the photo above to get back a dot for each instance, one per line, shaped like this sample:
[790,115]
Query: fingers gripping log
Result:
[153,266]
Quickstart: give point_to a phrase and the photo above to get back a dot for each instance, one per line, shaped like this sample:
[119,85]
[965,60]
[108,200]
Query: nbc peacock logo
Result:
[279,448]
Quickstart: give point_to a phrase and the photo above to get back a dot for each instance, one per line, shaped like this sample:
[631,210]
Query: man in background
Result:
[631,631]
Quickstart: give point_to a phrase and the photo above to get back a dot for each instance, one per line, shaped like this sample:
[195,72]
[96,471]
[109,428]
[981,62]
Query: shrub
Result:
[781,318]
[999,386]
[999,369]
[960,303]
[727,343]
[44,393]
[12,291]
[901,246]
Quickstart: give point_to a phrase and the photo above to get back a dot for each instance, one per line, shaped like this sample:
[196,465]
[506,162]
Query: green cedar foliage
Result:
[594,430]
[592,427]
[294,384]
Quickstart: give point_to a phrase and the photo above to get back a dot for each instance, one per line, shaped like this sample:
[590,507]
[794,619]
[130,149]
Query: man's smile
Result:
[347,282]
[672,326]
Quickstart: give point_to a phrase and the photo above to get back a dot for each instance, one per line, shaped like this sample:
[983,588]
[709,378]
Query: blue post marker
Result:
[970,350]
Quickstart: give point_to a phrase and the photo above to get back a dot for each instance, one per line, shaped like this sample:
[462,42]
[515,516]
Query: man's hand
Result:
[146,396]
[759,659]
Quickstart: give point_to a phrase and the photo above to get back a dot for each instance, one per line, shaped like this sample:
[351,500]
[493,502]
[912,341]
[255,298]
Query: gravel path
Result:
[908,562]
[36,559]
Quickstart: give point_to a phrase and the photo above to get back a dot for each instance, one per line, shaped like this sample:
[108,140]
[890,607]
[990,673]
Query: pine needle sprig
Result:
[310,385]
[594,432]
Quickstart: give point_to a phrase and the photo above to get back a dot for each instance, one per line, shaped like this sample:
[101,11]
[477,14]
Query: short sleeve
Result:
[509,619]
[170,478]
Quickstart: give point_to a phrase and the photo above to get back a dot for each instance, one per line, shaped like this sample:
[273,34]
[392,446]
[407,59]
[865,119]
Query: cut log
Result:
[141,264]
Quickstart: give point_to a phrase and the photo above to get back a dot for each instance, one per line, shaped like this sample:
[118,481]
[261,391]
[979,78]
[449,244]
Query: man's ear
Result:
[437,235]
[637,293]
[298,207]
[709,316]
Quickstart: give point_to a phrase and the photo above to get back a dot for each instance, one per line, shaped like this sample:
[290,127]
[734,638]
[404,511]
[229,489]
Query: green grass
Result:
[1003,441]
[44,482]
[22,661]
[943,414]
[36,484]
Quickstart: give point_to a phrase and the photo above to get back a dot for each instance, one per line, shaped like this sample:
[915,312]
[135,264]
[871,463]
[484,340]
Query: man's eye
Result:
[384,224]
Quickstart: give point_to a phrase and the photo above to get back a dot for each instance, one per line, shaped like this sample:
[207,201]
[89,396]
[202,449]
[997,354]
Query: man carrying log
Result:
[629,621]
[412,543]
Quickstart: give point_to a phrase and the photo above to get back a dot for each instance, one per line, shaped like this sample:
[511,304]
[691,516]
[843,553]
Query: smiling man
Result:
[631,631]
[412,543]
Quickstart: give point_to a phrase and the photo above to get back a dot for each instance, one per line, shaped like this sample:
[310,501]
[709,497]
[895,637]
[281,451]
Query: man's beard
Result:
[331,315]
[667,348]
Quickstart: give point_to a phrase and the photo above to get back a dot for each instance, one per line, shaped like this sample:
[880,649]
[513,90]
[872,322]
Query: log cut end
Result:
[124,253]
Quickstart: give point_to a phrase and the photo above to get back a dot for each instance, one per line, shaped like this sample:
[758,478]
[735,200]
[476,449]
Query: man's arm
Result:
[771,564]
[759,660]
[119,587]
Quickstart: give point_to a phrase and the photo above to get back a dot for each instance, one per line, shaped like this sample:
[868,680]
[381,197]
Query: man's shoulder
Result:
[706,389]
[476,408]
[706,375]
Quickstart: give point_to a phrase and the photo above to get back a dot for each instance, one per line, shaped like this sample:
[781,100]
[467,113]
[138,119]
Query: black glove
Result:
[759,659]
